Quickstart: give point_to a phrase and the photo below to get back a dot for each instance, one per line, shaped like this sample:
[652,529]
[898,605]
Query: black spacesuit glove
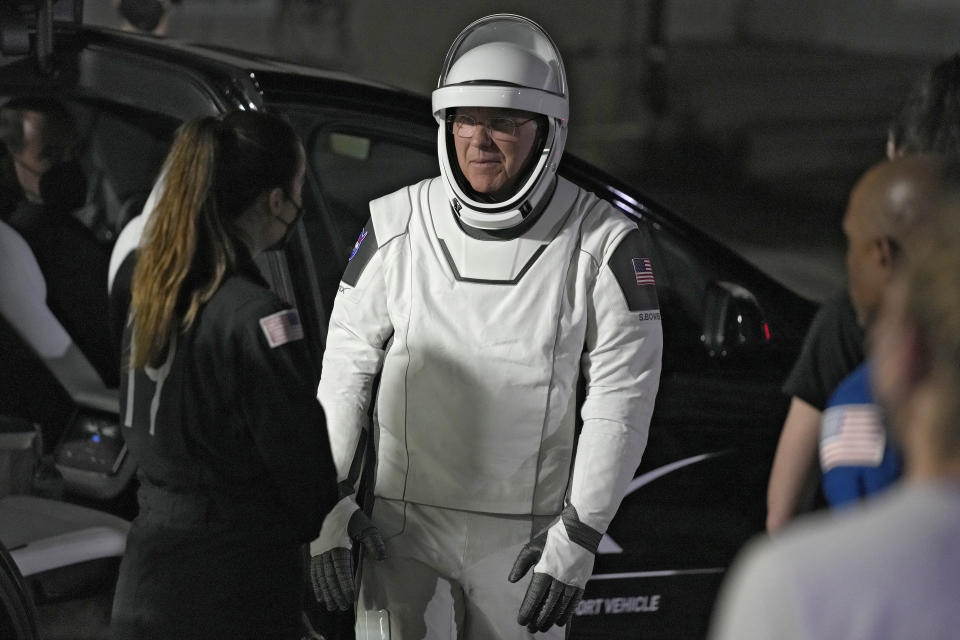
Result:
[547,601]
[565,553]
[331,573]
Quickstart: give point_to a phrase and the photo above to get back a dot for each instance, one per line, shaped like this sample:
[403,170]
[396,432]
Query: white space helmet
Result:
[504,61]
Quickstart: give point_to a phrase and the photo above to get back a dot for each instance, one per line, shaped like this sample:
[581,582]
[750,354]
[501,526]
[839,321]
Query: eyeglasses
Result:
[502,129]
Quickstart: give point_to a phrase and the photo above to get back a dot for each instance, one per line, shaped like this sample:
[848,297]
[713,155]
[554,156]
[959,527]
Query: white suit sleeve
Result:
[621,365]
[359,330]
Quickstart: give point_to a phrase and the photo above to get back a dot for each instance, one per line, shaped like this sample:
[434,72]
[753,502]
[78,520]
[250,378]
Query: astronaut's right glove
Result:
[331,563]
[562,560]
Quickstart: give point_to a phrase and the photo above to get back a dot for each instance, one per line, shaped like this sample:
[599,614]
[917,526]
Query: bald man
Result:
[890,569]
[857,456]
[833,346]
[881,207]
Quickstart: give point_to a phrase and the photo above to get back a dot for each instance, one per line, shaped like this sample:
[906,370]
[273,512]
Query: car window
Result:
[119,150]
[356,167]
[352,160]
[122,149]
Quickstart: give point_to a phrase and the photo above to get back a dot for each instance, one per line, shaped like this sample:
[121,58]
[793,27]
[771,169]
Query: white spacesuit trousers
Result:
[445,576]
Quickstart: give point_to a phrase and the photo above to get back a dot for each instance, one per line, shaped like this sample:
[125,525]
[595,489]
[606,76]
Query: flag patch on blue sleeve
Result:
[282,327]
[852,435]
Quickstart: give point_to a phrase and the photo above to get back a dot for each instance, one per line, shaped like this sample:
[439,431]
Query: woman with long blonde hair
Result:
[218,396]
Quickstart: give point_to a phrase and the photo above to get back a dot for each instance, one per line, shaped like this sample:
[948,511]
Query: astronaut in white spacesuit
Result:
[481,297]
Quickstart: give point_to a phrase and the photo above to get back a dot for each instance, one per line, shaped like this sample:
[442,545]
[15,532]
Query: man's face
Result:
[867,271]
[492,159]
[28,162]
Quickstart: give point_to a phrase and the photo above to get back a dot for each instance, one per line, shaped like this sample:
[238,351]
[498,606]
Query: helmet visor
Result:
[508,50]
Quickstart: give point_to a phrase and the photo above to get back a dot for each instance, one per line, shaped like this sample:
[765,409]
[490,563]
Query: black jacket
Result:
[235,470]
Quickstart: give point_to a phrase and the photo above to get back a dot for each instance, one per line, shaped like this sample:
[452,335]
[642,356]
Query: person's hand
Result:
[331,567]
[561,567]
[331,574]
[548,601]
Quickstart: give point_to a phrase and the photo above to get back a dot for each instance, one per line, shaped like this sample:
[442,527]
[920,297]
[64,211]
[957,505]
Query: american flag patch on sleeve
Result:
[356,246]
[852,435]
[282,327]
[644,271]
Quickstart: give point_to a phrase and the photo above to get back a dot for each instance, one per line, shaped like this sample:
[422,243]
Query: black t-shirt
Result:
[832,348]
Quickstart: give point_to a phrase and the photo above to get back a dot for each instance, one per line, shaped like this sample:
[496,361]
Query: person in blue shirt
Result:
[857,455]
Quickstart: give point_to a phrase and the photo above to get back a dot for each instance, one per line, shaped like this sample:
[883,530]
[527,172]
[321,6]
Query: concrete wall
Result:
[375,37]
[914,27]
[613,49]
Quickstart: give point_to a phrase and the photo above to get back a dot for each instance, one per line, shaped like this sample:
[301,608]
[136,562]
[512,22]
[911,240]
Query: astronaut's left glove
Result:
[562,560]
[331,564]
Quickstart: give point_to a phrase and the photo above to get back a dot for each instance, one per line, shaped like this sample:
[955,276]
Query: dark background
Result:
[751,118]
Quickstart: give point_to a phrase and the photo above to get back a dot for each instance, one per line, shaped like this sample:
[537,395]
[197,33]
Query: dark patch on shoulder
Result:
[363,251]
[633,267]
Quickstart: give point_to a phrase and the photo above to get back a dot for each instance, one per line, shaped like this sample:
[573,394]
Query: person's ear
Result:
[275,200]
[886,250]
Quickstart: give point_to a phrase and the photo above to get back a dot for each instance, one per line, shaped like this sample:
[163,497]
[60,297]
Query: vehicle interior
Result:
[67,530]
[67,487]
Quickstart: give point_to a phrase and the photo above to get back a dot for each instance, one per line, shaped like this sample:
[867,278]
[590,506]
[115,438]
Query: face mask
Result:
[281,244]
